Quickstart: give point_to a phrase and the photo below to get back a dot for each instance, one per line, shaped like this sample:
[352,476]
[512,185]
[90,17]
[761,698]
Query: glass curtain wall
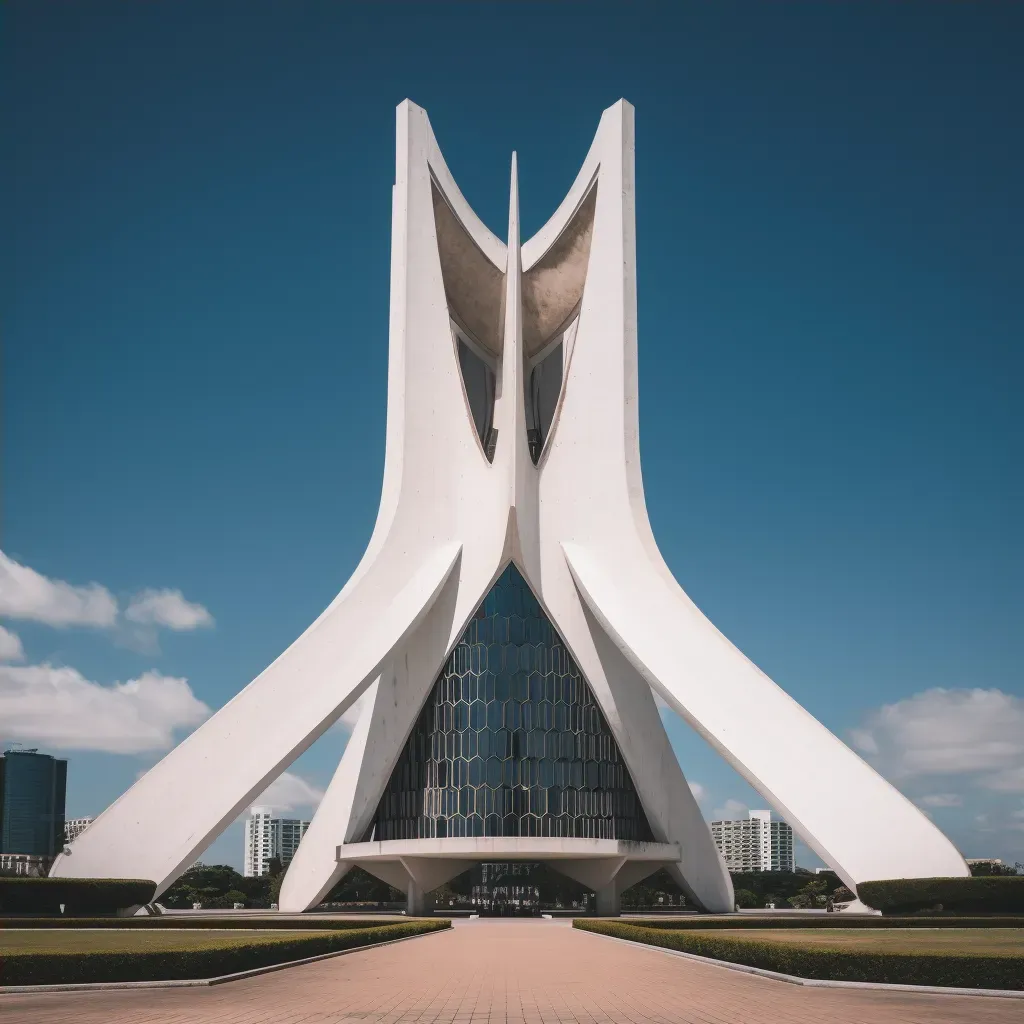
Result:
[511,741]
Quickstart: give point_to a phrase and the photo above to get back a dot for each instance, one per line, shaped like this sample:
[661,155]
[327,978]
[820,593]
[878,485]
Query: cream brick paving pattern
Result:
[505,972]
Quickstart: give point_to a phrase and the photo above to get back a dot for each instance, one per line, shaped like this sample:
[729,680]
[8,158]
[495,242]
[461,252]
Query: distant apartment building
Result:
[32,790]
[74,827]
[757,843]
[267,837]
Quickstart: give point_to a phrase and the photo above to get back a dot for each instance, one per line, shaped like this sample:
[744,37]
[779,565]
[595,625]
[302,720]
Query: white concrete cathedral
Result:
[512,613]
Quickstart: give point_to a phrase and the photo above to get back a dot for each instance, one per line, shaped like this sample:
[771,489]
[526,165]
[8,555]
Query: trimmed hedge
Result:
[236,954]
[982,894]
[176,921]
[738,922]
[78,895]
[953,970]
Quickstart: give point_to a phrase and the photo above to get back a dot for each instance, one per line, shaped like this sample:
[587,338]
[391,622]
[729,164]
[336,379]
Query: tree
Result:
[813,894]
[359,886]
[657,890]
[780,884]
[991,868]
[745,898]
[216,885]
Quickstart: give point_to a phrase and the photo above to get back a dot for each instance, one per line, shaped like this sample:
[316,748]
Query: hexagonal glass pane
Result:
[474,746]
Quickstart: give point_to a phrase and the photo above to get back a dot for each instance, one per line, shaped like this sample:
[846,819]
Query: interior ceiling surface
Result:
[553,286]
[551,289]
[473,285]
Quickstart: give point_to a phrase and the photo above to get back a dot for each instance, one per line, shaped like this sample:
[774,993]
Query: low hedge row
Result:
[236,954]
[983,894]
[175,921]
[78,895]
[844,921]
[954,970]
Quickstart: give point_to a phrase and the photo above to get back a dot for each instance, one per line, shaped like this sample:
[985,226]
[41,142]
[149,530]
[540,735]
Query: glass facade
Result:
[32,787]
[511,741]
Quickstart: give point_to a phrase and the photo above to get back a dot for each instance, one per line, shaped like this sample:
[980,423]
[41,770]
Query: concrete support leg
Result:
[608,900]
[416,900]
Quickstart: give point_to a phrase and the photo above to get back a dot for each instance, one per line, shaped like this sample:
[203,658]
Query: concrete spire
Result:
[513,456]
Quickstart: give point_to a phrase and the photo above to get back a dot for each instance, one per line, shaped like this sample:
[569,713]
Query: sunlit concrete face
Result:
[512,440]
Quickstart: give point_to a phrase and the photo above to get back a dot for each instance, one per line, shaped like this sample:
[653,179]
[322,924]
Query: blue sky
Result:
[194,301]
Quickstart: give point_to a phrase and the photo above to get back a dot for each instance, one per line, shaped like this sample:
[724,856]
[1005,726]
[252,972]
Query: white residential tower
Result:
[757,843]
[267,837]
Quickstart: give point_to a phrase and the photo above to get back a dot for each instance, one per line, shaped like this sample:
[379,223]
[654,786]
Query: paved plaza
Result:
[505,971]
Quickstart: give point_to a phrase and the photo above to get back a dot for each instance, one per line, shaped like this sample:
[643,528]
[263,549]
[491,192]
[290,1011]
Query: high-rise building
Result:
[257,842]
[288,832]
[32,791]
[74,827]
[267,837]
[757,843]
[512,612]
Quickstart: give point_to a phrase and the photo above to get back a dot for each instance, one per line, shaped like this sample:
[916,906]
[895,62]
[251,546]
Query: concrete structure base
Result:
[418,866]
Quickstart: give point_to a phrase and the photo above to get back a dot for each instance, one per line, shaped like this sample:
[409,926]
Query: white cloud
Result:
[941,800]
[949,732]
[699,792]
[729,810]
[60,708]
[27,594]
[289,791]
[167,608]
[351,716]
[347,722]
[10,646]
[1009,780]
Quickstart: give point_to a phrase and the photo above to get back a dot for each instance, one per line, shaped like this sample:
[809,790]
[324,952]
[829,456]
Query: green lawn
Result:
[102,940]
[38,956]
[958,957]
[964,941]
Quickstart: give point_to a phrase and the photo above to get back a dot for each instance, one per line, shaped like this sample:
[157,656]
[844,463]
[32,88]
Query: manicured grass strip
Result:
[174,921]
[103,940]
[733,922]
[966,942]
[181,961]
[954,970]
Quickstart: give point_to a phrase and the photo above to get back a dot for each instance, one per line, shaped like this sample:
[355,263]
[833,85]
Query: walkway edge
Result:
[106,986]
[793,979]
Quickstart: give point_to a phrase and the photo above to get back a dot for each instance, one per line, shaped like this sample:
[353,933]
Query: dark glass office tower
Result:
[32,789]
[511,741]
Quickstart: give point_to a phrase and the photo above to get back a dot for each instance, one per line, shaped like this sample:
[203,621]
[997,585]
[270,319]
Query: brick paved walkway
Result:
[505,971]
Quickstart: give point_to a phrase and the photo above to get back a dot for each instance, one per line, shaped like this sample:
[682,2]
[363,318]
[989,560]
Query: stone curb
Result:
[793,979]
[105,986]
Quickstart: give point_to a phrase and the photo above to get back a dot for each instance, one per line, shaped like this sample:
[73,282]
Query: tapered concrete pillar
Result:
[608,900]
[416,900]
